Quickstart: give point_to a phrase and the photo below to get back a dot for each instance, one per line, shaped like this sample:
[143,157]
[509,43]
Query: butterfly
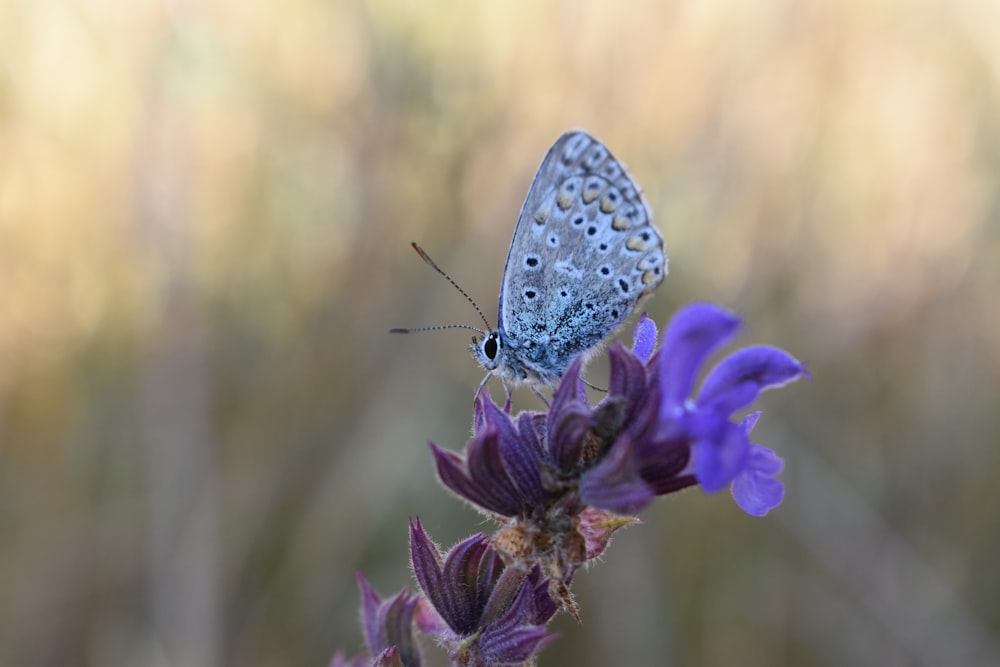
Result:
[585,253]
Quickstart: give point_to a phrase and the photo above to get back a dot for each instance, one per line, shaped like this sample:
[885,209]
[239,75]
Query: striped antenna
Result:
[423,255]
[437,328]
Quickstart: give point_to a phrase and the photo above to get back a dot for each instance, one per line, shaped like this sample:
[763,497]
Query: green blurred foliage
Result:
[205,218]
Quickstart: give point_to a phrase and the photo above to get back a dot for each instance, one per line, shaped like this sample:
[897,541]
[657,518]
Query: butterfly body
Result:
[584,254]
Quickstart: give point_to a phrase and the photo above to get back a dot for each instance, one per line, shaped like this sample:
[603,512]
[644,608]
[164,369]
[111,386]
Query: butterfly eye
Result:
[490,347]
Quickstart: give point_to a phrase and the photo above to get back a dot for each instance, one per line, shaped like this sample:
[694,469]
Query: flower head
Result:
[388,625]
[490,615]
[562,482]
[552,478]
[689,440]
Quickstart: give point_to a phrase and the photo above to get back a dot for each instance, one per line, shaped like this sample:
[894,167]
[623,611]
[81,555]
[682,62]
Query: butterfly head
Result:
[488,350]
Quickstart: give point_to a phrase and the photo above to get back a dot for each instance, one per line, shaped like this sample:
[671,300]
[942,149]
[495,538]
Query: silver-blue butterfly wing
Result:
[584,253]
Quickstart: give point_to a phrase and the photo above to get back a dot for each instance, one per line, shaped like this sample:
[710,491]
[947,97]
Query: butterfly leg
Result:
[482,384]
[594,386]
[539,394]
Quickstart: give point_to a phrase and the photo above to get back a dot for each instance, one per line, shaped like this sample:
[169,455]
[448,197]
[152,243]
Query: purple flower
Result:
[501,472]
[388,628]
[558,480]
[722,448]
[490,615]
[562,482]
[693,441]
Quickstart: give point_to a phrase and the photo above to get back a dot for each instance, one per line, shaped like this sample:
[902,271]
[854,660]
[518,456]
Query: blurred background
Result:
[205,219]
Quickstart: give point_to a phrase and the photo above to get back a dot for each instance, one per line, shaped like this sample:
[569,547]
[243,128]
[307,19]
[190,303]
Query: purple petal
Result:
[426,562]
[721,453]
[614,483]
[515,646]
[399,627]
[643,419]
[478,410]
[490,570]
[529,433]
[543,606]
[644,338]
[480,478]
[755,489]
[663,472]
[510,605]
[568,421]
[692,334]
[633,381]
[428,620]
[628,375]
[581,392]
[738,379]
[374,629]
[443,584]
[511,638]
[461,577]
[520,456]
[506,590]
[389,623]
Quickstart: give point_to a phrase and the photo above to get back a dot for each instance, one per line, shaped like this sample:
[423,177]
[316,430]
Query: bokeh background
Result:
[205,219]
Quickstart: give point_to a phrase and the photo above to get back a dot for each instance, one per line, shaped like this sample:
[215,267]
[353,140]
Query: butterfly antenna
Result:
[427,258]
[437,328]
